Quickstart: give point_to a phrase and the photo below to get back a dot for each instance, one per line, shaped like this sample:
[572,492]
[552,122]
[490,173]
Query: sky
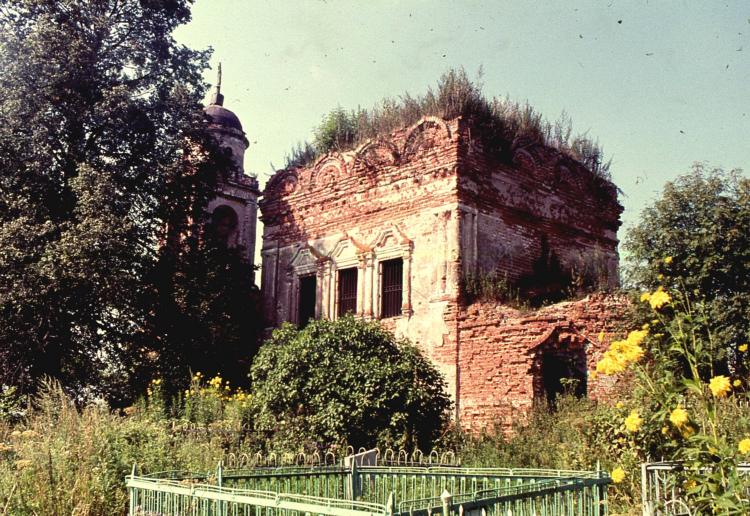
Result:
[660,84]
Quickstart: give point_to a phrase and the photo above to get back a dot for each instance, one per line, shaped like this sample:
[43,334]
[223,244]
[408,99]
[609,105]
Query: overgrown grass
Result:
[63,460]
[499,122]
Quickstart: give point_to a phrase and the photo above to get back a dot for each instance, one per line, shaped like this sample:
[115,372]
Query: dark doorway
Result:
[347,291]
[307,296]
[563,372]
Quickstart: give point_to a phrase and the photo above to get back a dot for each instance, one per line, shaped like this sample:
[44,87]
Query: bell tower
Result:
[234,210]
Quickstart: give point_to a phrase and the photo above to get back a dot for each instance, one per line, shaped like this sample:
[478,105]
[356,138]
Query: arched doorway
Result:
[560,368]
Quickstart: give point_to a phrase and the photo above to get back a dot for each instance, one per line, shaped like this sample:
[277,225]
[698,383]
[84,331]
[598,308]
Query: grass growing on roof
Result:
[499,120]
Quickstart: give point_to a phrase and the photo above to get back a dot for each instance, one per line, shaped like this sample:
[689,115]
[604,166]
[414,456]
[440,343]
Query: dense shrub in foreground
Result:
[346,381]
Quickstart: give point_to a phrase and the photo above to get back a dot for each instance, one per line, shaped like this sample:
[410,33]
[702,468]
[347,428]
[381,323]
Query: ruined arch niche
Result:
[377,153]
[224,225]
[559,366]
[283,183]
[327,171]
[423,135]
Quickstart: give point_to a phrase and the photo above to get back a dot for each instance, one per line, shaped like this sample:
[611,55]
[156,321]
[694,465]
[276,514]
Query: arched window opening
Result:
[224,222]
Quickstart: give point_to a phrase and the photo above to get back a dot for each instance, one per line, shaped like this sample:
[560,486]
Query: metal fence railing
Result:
[662,492]
[362,490]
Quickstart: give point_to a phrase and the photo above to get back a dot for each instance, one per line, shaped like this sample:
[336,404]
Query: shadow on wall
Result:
[550,281]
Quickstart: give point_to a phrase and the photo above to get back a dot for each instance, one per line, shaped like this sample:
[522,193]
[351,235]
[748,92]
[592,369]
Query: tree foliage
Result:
[102,149]
[346,381]
[695,239]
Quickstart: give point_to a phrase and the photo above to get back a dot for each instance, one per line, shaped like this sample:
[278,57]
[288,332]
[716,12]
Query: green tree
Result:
[102,150]
[336,131]
[346,381]
[695,239]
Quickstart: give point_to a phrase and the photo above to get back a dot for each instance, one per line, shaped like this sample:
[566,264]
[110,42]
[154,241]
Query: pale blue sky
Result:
[661,84]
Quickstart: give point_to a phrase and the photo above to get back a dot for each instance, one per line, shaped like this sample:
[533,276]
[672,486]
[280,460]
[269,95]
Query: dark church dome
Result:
[220,115]
[217,114]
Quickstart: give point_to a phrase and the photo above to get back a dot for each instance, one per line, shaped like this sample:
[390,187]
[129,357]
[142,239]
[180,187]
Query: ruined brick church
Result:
[389,230]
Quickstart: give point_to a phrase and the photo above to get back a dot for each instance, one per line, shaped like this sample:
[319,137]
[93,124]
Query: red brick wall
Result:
[535,192]
[499,349]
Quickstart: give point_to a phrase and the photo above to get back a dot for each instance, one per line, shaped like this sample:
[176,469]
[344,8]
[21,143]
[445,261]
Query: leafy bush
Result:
[696,238]
[499,121]
[345,382]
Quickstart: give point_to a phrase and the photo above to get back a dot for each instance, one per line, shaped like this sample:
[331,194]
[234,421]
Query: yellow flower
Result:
[690,484]
[659,298]
[744,446]
[610,364]
[687,431]
[618,475]
[719,386]
[633,422]
[660,277]
[600,337]
[678,417]
[593,375]
[737,383]
[664,430]
[742,348]
[645,297]
[645,327]
[619,404]
[157,381]
[668,260]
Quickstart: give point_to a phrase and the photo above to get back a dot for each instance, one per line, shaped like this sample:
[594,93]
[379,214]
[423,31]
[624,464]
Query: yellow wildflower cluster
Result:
[668,260]
[744,446]
[215,382]
[737,383]
[656,299]
[633,422]
[622,353]
[154,385]
[618,475]
[678,417]
[742,348]
[215,388]
[720,386]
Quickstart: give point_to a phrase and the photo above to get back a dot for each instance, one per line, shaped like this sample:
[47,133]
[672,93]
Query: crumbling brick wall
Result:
[431,195]
[500,349]
[533,200]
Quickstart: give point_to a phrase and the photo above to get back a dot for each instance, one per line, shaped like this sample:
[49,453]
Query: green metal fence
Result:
[369,490]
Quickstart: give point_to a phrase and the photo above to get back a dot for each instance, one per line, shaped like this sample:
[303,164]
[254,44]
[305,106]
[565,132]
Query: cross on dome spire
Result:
[217,98]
